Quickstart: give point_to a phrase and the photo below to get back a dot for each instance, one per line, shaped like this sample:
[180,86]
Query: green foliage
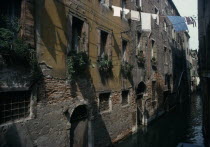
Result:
[153,61]
[105,64]
[10,23]
[6,39]
[141,58]
[77,63]
[126,69]
[15,48]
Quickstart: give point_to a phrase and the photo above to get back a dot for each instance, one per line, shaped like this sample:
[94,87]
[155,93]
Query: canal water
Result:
[182,124]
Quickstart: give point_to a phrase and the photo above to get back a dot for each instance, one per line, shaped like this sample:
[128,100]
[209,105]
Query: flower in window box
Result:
[154,62]
[126,69]
[141,58]
[105,64]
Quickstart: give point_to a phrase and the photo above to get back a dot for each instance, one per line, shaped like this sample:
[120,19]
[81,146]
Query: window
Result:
[14,106]
[166,79]
[165,26]
[107,2]
[104,101]
[173,33]
[157,19]
[103,43]
[153,49]
[153,90]
[125,95]
[170,60]
[123,8]
[139,3]
[78,34]
[172,11]
[165,56]
[124,50]
[138,40]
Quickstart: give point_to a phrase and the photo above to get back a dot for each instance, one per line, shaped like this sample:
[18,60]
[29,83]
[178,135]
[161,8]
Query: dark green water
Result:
[182,124]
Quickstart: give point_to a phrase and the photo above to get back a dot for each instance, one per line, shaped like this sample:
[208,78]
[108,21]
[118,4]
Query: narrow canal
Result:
[182,124]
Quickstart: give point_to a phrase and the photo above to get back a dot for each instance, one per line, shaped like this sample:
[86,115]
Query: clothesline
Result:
[179,22]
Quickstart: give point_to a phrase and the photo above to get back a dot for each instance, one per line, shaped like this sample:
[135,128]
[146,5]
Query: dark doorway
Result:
[79,127]
[139,95]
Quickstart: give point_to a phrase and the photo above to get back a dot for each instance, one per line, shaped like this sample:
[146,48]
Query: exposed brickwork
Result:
[57,98]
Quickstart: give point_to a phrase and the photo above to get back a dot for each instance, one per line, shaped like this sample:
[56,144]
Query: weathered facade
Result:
[204,66]
[195,80]
[99,106]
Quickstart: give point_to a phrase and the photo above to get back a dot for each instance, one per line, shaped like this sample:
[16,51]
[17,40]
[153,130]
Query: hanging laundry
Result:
[117,11]
[194,22]
[190,21]
[135,15]
[126,11]
[156,17]
[178,23]
[146,22]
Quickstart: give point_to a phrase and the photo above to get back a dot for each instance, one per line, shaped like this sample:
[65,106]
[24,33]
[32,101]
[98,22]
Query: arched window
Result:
[140,90]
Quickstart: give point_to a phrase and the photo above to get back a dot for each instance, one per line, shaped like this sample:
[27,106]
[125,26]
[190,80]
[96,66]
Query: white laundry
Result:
[156,17]
[126,11]
[117,11]
[146,22]
[135,15]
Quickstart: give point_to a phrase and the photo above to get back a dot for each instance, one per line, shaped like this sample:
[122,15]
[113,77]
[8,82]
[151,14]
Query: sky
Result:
[189,8]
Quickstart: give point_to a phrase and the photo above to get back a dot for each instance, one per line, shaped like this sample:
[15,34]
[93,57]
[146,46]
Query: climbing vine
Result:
[77,63]
[13,49]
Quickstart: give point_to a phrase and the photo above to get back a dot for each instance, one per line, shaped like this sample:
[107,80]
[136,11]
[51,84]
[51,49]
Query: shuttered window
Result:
[78,32]
[104,43]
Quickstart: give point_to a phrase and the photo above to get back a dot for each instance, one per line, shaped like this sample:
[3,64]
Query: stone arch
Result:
[79,126]
[79,113]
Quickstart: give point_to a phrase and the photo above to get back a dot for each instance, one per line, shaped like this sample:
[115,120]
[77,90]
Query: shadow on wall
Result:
[11,136]
[100,133]
[52,33]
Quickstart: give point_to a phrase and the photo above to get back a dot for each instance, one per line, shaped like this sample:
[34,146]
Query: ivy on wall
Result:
[77,63]
[13,49]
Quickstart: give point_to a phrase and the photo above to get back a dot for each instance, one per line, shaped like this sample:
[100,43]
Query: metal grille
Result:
[14,105]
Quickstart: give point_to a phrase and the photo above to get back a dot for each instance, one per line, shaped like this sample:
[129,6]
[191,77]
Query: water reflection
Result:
[183,124]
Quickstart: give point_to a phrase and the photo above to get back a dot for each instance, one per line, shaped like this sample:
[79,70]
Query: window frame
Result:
[31,107]
[127,97]
[124,50]
[109,102]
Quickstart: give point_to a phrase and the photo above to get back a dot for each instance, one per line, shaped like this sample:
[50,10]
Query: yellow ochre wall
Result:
[52,38]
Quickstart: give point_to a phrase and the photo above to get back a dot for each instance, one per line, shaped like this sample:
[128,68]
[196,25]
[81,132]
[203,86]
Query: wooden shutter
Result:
[84,42]
[69,32]
[109,45]
[98,41]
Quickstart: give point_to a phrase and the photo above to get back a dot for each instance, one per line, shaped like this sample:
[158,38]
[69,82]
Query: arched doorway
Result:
[79,127]
[140,90]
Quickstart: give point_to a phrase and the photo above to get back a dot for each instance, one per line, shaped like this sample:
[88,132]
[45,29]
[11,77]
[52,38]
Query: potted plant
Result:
[140,58]
[105,64]
[126,69]
[154,62]
[77,63]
